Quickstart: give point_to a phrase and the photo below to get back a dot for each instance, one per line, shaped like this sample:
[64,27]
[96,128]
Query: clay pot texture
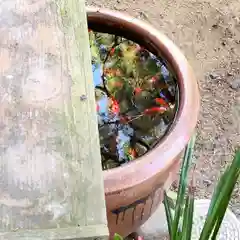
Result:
[134,191]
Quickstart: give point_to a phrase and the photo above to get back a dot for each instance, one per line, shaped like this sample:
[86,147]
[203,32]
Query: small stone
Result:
[110,164]
[140,149]
[143,15]
[149,138]
[83,97]
[237,211]
[207,182]
[161,128]
[214,76]
[9,76]
[175,184]
[224,43]
[235,84]
[215,26]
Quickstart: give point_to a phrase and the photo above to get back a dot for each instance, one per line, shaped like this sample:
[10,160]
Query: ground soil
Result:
[208,32]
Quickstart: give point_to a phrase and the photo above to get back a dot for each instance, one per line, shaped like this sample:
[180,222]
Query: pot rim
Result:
[173,143]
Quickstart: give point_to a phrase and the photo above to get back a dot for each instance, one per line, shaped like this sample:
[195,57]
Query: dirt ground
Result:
[208,32]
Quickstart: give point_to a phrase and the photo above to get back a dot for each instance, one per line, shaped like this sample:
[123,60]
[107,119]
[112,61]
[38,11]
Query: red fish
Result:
[154,110]
[112,51]
[124,119]
[132,153]
[98,108]
[153,79]
[137,90]
[161,102]
[114,106]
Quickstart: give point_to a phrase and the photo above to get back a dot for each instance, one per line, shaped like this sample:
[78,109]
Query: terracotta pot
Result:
[134,191]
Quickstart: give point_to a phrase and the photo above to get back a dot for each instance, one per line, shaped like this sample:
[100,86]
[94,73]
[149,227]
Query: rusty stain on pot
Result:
[132,206]
[113,193]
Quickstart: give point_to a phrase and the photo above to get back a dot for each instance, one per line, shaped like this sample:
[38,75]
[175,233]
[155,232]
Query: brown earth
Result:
[208,32]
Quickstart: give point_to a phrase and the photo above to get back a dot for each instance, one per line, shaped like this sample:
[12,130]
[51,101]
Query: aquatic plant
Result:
[136,98]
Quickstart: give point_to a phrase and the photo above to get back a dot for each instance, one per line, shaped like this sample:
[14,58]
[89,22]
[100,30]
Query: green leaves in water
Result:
[181,222]
[135,99]
[94,49]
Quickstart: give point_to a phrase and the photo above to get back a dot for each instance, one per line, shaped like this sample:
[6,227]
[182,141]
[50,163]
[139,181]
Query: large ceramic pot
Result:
[134,191]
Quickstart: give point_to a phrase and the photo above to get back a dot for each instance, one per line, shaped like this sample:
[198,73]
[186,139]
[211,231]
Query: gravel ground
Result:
[208,32]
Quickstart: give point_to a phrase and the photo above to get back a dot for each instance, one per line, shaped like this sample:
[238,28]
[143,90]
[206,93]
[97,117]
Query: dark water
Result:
[136,98]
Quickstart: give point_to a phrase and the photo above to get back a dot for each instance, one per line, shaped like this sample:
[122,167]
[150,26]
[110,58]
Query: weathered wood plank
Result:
[49,148]
[96,232]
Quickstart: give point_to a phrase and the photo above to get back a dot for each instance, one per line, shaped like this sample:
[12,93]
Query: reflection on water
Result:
[135,95]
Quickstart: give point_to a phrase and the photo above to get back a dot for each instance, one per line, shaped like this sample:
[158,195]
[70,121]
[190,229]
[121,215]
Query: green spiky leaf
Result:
[182,186]
[168,213]
[221,199]
[188,216]
[117,237]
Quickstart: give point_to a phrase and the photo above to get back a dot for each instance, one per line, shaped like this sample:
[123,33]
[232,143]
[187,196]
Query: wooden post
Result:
[51,184]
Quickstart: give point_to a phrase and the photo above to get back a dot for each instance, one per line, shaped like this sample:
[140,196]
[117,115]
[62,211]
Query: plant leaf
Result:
[218,223]
[221,199]
[114,84]
[152,67]
[182,186]
[105,39]
[117,237]
[188,217]
[216,191]
[168,213]
[129,59]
